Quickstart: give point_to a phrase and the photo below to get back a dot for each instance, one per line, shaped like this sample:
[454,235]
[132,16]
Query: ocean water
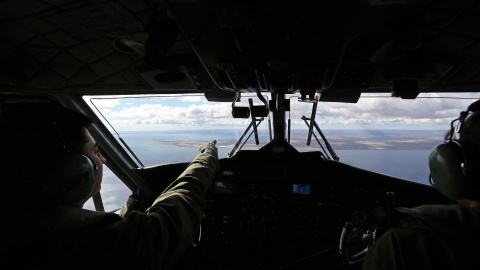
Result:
[151,154]
[407,164]
[410,165]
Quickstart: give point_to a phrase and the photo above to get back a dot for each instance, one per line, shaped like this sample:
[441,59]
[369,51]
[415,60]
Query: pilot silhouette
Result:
[48,229]
[441,236]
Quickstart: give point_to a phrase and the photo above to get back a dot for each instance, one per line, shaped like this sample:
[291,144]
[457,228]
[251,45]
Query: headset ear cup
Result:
[448,175]
[71,178]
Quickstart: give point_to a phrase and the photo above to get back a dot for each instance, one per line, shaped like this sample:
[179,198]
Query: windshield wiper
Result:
[254,123]
[310,126]
[256,113]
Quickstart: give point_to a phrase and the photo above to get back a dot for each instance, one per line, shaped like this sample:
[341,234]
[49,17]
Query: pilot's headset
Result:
[70,177]
[454,165]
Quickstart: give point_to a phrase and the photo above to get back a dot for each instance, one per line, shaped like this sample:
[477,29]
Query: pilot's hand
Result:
[210,149]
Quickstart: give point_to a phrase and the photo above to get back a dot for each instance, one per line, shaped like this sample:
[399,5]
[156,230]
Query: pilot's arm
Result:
[179,210]
[429,237]
[381,256]
[154,240]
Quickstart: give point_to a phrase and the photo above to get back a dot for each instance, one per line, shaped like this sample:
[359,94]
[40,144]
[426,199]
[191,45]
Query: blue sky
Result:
[195,112]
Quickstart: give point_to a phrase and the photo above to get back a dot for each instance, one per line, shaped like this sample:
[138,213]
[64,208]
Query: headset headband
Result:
[463,115]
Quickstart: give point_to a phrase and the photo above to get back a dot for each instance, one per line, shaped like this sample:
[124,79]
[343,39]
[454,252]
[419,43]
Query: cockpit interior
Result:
[276,206]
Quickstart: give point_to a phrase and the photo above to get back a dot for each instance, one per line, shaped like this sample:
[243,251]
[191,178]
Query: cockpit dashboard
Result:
[286,210]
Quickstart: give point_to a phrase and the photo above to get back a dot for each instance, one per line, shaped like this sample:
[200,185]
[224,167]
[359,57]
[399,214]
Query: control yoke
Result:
[368,238]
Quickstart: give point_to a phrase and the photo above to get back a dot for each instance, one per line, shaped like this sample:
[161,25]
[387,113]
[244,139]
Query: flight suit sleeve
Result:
[157,238]
[413,244]
[381,255]
[179,209]
[392,249]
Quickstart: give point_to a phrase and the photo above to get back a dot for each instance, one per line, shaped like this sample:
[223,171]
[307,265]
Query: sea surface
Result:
[410,165]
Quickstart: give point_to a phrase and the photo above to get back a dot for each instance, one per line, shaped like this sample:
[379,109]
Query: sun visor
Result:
[341,95]
[214,95]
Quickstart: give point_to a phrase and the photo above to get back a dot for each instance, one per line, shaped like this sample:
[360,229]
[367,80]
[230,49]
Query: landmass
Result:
[347,141]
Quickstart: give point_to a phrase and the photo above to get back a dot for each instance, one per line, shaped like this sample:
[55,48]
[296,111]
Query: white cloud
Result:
[369,112]
[386,112]
[193,99]
[158,114]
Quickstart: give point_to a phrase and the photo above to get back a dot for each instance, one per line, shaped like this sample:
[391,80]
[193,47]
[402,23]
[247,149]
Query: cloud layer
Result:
[190,112]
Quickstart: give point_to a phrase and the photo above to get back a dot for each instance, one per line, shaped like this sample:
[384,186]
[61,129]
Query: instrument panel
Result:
[267,210]
[282,211]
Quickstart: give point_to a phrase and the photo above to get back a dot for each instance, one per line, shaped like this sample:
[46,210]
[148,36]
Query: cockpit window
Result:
[379,133]
[170,128]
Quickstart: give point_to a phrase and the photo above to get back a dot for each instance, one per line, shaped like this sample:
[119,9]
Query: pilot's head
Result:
[75,174]
[35,138]
[470,133]
[470,129]
[455,164]
[90,148]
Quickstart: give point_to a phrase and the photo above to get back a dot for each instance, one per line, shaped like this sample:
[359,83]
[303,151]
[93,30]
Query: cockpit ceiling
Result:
[303,46]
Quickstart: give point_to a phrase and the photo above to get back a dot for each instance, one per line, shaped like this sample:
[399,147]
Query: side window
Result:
[114,192]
